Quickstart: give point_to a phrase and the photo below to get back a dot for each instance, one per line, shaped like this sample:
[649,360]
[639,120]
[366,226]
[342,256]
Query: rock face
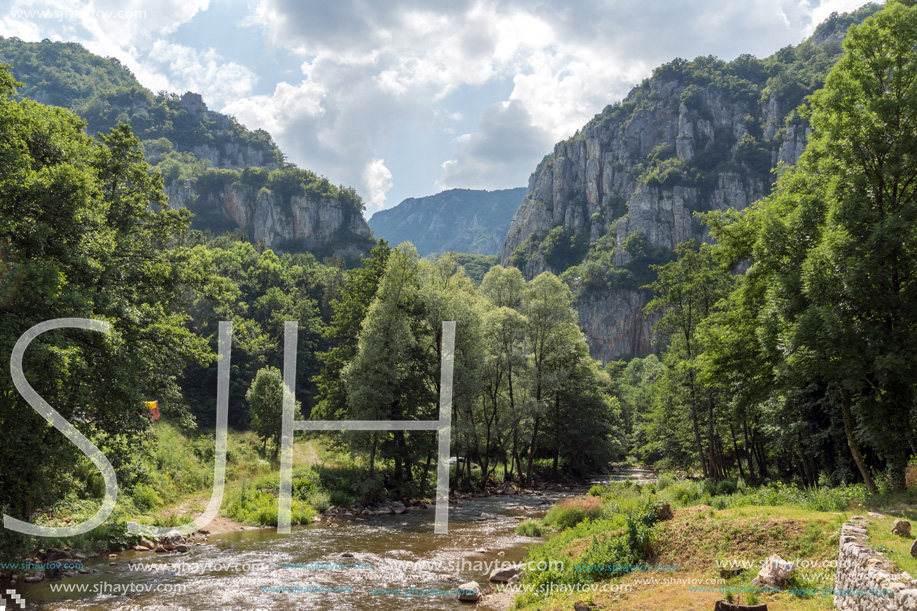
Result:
[231,177]
[601,187]
[622,193]
[614,323]
[461,220]
[298,222]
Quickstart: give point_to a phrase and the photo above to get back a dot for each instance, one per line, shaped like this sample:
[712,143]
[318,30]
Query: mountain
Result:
[619,195]
[232,178]
[461,220]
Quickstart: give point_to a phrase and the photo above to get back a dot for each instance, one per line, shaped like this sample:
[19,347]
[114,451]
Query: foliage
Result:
[179,136]
[571,512]
[524,384]
[82,232]
[613,543]
[265,399]
[475,266]
[530,528]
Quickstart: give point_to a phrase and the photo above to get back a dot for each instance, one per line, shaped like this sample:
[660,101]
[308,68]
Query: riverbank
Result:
[674,545]
[176,489]
[398,551]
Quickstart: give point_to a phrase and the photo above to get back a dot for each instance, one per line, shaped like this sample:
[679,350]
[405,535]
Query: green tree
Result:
[265,400]
[687,291]
[84,232]
[850,315]
[547,306]
[344,331]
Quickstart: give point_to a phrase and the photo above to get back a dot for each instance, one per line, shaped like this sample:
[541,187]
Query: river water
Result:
[245,569]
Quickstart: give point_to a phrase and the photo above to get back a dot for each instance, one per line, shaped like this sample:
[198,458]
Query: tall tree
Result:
[848,313]
[686,293]
[265,400]
[84,230]
[548,309]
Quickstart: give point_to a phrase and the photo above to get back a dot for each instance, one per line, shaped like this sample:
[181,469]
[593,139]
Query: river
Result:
[245,569]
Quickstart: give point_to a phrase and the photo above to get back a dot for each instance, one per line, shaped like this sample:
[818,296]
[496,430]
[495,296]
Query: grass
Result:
[570,512]
[895,547]
[172,483]
[530,528]
[715,525]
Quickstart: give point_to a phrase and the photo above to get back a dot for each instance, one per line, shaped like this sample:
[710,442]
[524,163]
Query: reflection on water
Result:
[233,570]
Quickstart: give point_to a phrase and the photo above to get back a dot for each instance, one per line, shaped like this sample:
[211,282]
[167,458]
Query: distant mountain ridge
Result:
[461,220]
[232,178]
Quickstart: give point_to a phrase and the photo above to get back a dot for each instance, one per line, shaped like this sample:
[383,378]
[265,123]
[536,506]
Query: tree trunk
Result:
[748,455]
[372,455]
[556,437]
[758,448]
[799,467]
[426,471]
[852,443]
[735,446]
[716,467]
[697,437]
[528,471]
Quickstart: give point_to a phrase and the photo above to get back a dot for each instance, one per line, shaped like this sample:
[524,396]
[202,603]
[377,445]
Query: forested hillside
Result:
[232,178]
[786,313]
[85,232]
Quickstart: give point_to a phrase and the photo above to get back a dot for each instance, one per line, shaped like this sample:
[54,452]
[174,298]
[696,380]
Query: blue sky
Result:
[406,98]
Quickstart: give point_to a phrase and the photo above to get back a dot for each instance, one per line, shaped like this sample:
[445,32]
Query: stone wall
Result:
[861,568]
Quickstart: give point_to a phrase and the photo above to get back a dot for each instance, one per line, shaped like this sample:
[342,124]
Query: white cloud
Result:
[378,180]
[109,23]
[205,72]
[276,112]
[501,153]
[565,62]
[111,28]
[820,11]
[375,75]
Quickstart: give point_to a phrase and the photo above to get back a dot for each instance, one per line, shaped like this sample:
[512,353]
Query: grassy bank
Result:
[620,550]
[172,481]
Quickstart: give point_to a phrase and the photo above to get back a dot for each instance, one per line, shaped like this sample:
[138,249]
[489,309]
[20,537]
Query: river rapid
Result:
[377,563]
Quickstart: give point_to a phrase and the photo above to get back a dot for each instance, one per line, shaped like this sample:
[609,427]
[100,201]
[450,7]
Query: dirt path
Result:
[304,453]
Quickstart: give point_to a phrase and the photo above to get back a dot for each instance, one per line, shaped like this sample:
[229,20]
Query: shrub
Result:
[570,512]
[684,492]
[320,502]
[145,498]
[665,480]
[726,486]
[252,503]
[339,498]
[530,528]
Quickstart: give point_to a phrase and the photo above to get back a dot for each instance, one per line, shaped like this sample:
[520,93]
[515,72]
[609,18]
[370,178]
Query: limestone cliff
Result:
[619,195]
[232,178]
[298,222]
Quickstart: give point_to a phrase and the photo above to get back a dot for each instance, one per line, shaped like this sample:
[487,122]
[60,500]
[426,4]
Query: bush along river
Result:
[348,562]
